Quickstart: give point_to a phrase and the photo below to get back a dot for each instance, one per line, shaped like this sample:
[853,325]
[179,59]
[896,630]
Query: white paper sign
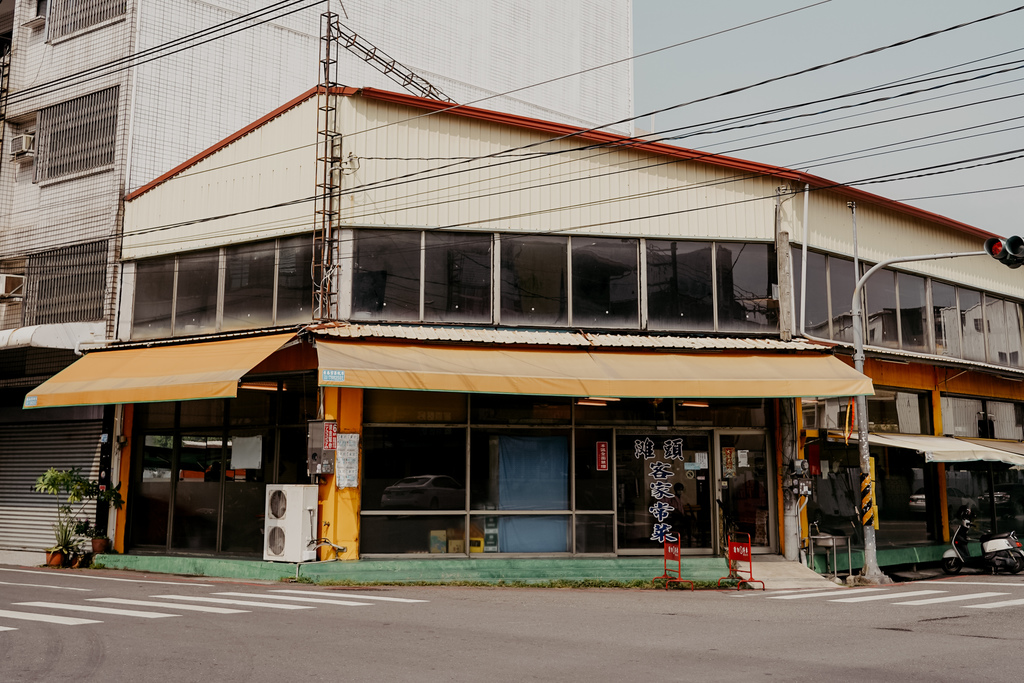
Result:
[824,468]
[741,458]
[701,458]
[346,463]
[247,452]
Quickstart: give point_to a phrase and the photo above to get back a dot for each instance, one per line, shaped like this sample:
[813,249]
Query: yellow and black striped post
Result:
[867,500]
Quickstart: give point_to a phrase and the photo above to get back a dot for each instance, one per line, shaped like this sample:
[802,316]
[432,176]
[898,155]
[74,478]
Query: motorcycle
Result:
[1000,551]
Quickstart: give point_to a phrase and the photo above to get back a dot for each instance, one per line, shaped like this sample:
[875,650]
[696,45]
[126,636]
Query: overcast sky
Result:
[830,31]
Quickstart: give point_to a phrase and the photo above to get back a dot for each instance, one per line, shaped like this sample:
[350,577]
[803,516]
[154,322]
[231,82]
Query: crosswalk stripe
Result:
[887,596]
[319,601]
[106,578]
[1018,584]
[228,601]
[48,618]
[759,594]
[357,596]
[187,608]
[7,628]
[993,605]
[43,585]
[97,609]
[951,598]
[797,596]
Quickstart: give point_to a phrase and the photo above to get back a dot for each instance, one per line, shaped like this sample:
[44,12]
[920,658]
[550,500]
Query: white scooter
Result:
[1000,551]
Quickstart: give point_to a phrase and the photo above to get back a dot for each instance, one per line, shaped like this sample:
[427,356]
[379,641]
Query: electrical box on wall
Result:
[321,445]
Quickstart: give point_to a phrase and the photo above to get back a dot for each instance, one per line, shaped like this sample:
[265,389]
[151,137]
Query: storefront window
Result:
[594,533]
[151,502]
[534,281]
[680,292]
[416,534]
[415,407]
[593,460]
[913,312]
[946,320]
[645,411]
[519,470]
[881,327]
[512,409]
[249,456]
[409,468]
[972,324]
[524,533]
[747,277]
[154,294]
[249,286]
[907,497]
[816,307]
[902,412]
[977,418]
[197,493]
[721,412]
[745,496]
[842,279]
[457,280]
[386,275]
[195,307]
[294,280]
[605,282]
[1004,342]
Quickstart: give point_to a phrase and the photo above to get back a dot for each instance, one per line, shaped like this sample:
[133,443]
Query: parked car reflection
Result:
[954,499]
[425,492]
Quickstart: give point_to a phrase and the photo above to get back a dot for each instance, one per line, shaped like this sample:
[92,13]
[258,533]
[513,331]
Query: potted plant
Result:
[97,536]
[77,492]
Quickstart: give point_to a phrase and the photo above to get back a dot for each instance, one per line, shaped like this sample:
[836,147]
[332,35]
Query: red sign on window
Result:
[602,456]
[330,436]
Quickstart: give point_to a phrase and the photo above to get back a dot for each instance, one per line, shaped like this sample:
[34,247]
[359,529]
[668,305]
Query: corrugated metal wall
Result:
[28,450]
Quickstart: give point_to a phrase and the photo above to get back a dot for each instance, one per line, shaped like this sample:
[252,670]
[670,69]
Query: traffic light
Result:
[1009,251]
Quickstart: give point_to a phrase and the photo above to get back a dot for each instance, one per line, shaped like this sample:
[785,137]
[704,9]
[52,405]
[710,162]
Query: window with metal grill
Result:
[67,284]
[69,16]
[77,135]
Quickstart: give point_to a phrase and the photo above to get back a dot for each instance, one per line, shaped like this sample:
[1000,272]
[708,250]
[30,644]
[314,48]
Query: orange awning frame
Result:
[592,373]
[176,372]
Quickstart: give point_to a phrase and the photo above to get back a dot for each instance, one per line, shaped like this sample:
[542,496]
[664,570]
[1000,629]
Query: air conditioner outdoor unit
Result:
[291,522]
[12,286]
[23,145]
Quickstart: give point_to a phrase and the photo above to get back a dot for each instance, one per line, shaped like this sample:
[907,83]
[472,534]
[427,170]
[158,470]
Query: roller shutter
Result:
[26,451]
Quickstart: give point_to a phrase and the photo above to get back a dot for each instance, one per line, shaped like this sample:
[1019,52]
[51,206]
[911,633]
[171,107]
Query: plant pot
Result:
[100,546]
[54,558]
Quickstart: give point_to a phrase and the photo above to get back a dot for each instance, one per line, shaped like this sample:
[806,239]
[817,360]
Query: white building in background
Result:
[103,95]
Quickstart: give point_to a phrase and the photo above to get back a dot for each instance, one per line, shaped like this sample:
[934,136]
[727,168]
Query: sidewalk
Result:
[775,571]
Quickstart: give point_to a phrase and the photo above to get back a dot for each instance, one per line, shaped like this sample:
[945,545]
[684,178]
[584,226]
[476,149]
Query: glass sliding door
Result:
[744,471]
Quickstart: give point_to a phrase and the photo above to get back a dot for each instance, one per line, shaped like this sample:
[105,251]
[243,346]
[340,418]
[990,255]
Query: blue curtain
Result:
[533,474]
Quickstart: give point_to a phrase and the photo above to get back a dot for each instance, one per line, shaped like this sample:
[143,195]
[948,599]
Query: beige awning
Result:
[159,373]
[948,449]
[581,373]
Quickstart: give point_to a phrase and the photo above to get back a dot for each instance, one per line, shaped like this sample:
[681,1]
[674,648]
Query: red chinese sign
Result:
[330,436]
[602,456]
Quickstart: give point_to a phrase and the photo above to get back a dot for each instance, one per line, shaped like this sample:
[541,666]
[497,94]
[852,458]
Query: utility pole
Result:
[871,573]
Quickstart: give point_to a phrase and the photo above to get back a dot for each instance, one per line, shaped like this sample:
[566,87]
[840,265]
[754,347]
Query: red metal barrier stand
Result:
[673,553]
[738,553]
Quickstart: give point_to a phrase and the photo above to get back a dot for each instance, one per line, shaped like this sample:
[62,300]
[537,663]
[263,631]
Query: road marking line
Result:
[351,595]
[759,594]
[887,596]
[321,601]
[993,605]
[951,598]
[820,595]
[41,585]
[108,578]
[97,609]
[48,618]
[7,628]
[187,608]
[1018,584]
[226,601]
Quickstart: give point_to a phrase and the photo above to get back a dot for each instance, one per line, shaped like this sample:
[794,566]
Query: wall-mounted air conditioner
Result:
[291,523]
[23,146]
[12,286]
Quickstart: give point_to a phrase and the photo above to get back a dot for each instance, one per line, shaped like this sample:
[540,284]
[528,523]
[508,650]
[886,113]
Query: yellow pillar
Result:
[940,467]
[339,509]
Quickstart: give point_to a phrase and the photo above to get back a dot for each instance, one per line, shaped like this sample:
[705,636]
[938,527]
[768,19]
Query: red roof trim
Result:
[560,129]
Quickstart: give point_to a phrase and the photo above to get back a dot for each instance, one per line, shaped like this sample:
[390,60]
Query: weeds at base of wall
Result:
[641,584]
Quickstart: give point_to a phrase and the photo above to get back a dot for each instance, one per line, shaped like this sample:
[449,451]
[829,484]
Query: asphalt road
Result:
[181,629]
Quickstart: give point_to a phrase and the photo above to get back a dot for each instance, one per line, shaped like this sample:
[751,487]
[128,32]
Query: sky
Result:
[834,30]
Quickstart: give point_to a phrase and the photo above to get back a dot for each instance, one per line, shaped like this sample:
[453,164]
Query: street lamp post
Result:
[871,572]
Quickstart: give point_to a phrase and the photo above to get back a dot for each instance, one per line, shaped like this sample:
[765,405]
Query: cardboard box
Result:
[456,545]
[439,541]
